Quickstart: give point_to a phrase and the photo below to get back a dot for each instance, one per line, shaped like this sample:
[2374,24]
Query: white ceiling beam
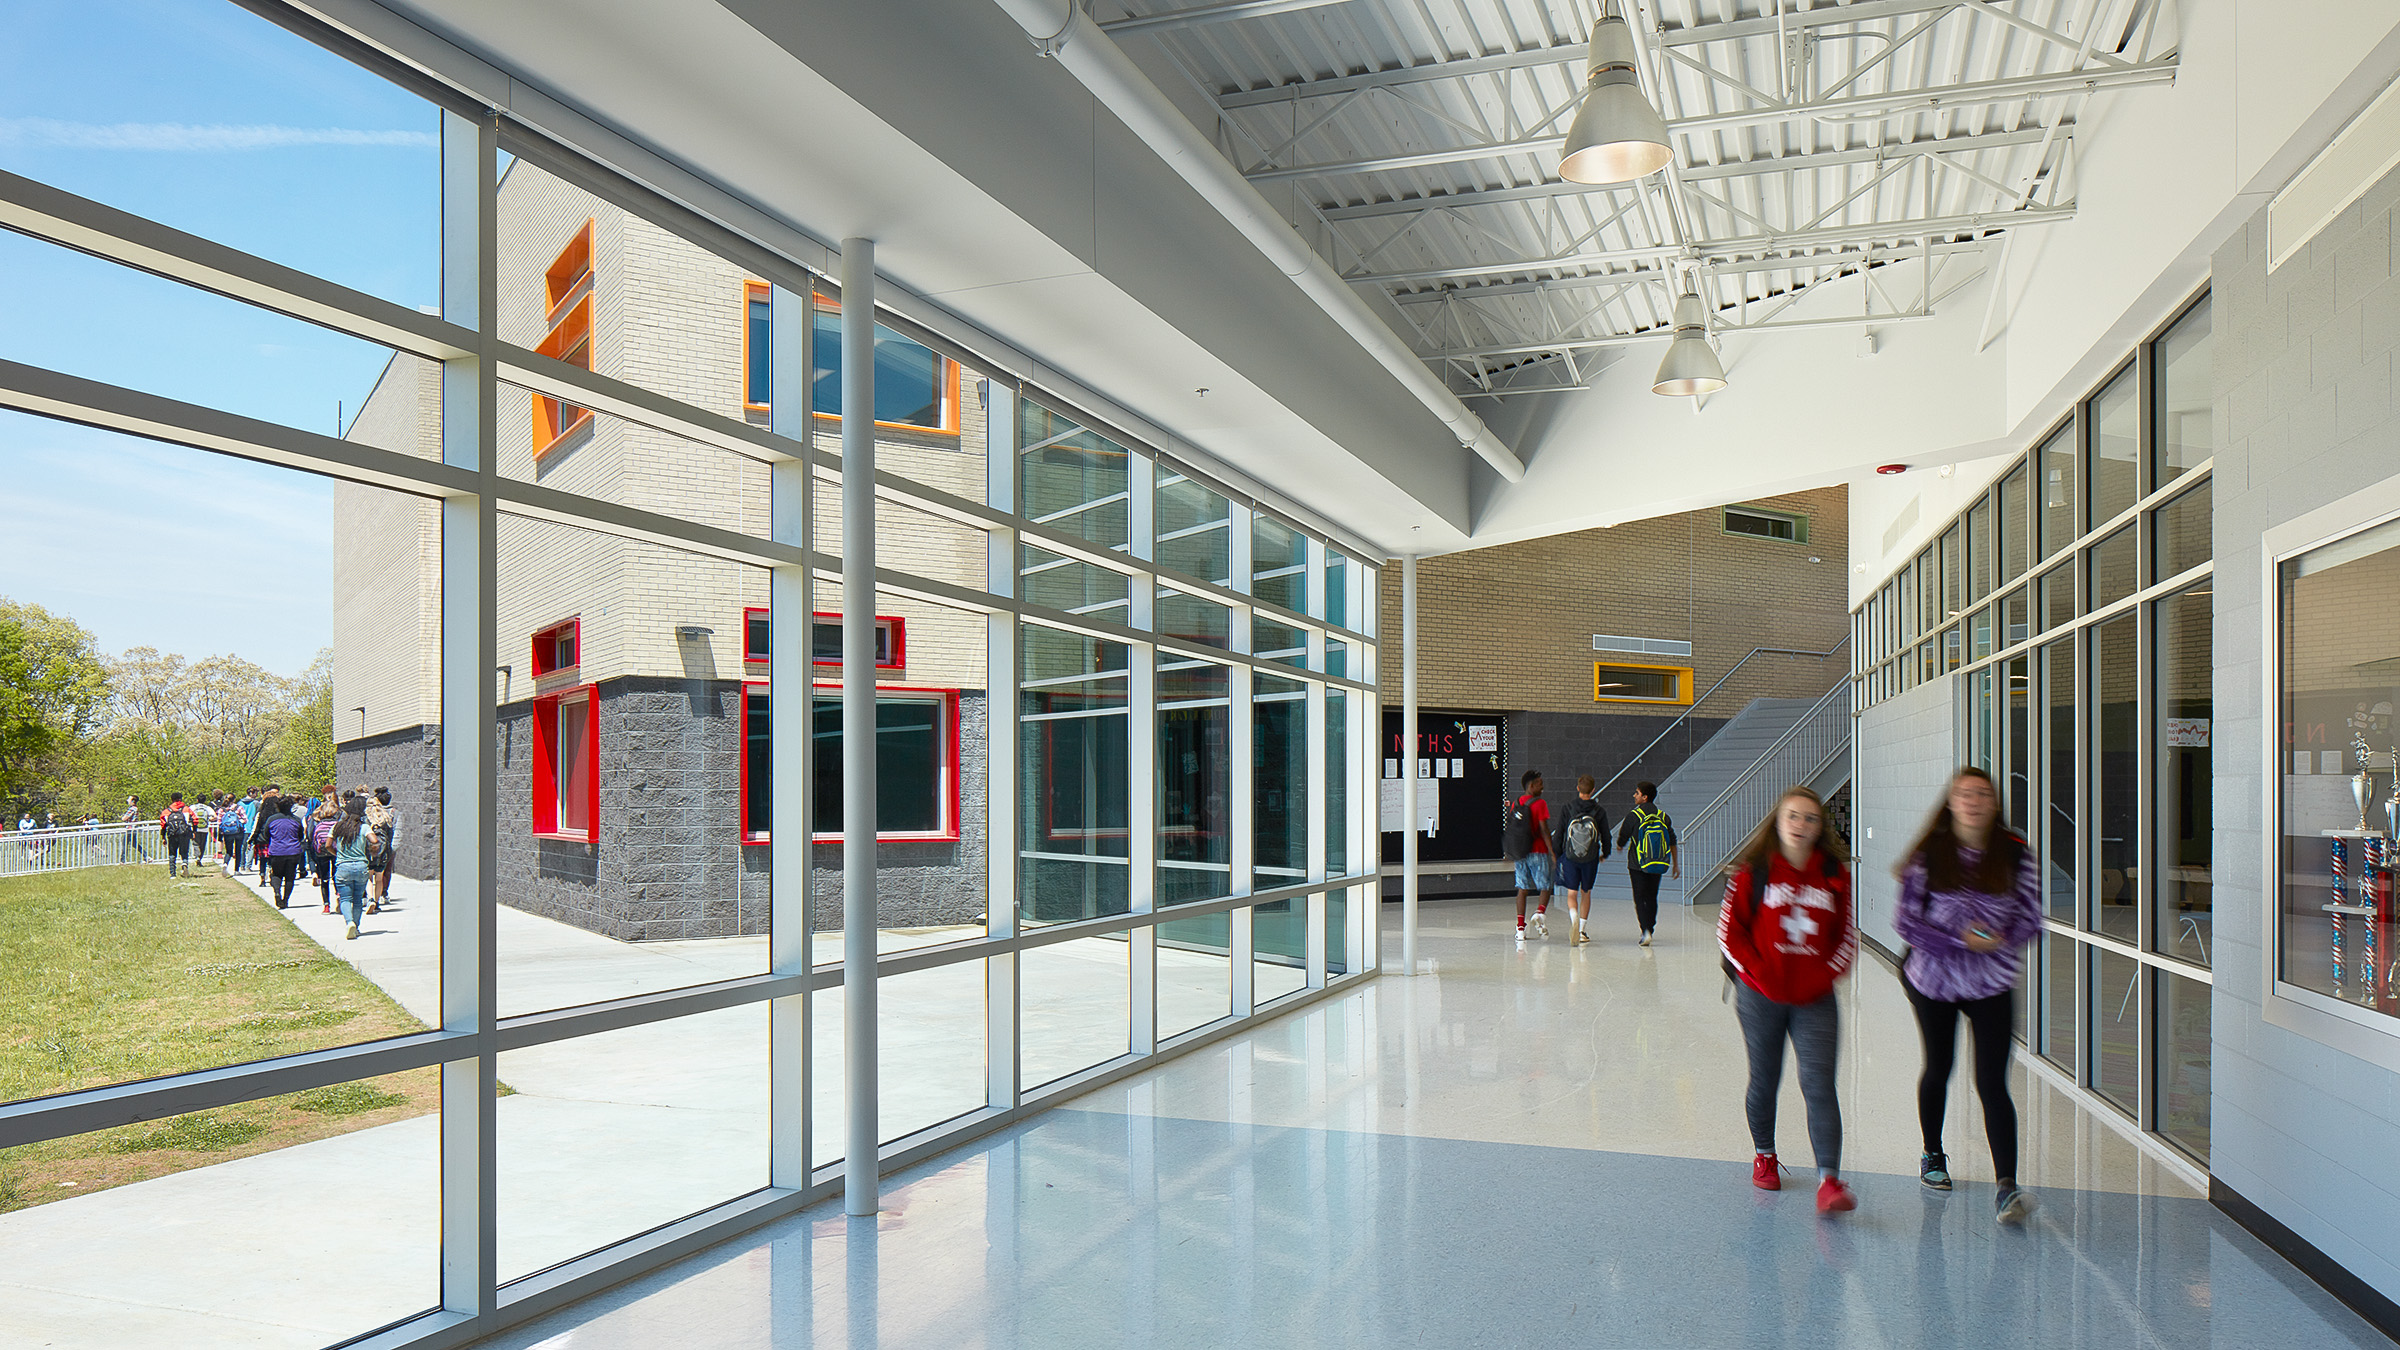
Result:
[1199,15]
[1856,107]
[1846,260]
[1880,231]
[1945,145]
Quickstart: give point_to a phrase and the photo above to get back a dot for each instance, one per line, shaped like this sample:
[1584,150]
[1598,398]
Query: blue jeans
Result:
[350,880]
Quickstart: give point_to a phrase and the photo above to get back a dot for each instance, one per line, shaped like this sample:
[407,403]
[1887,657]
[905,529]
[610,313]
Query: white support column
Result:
[1408,763]
[1003,426]
[1241,739]
[860,1172]
[1141,756]
[470,721]
[1313,756]
[791,714]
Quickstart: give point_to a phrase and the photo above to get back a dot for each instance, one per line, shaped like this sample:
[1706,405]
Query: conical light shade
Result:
[1691,365]
[1616,136]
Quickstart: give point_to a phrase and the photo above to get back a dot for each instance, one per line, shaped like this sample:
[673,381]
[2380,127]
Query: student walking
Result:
[233,827]
[383,820]
[352,842]
[175,830]
[1527,841]
[130,842]
[1970,899]
[1785,928]
[1648,838]
[1580,842]
[282,840]
[322,821]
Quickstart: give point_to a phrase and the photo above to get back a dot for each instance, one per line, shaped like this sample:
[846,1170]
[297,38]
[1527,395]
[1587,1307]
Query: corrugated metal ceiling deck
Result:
[1415,142]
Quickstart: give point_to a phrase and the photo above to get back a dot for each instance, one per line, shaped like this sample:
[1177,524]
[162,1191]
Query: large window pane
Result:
[915,388]
[2115,769]
[2021,785]
[2060,483]
[344,1178]
[2186,430]
[2179,534]
[1279,783]
[1073,793]
[2112,564]
[2185,823]
[2056,607]
[2116,1005]
[673,1114]
[1195,528]
[1953,550]
[1195,974]
[1338,773]
[1073,479]
[2183,1061]
[1278,563]
[1074,1008]
[2114,423]
[1195,781]
[136,677]
[2062,843]
[1981,553]
[2340,681]
[2062,1002]
[1279,935]
[2016,529]
[216,122]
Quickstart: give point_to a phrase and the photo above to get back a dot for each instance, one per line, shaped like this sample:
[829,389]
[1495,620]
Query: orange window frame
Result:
[752,292]
[567,315]
[950,404]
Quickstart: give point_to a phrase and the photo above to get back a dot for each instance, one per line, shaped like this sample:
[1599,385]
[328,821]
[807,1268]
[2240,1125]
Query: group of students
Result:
[1970,899]
[1566,855]
[345,842]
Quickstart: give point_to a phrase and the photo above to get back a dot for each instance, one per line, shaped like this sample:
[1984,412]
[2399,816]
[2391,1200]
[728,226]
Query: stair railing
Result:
[1822,734]
[1687,713]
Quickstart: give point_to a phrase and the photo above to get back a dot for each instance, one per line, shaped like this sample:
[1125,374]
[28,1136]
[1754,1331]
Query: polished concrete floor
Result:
[1518,1147]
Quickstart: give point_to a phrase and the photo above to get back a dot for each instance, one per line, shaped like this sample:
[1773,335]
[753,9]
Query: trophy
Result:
[2361,784]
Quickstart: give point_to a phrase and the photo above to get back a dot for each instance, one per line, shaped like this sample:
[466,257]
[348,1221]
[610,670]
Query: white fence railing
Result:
[1801,755]
[28,851]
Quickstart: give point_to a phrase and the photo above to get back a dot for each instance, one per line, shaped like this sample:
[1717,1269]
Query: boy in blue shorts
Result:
[1581,842]
[1528,841]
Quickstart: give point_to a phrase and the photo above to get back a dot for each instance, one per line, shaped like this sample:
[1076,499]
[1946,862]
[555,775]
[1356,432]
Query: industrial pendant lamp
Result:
[1616,136]
[1691,366]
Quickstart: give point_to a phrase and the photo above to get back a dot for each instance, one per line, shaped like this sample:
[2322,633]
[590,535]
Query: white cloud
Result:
[52,133]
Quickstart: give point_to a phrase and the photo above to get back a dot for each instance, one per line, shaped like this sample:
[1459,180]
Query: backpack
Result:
[1651,851]
[177,826]
[320,836]
[1583,837]
[1516,842]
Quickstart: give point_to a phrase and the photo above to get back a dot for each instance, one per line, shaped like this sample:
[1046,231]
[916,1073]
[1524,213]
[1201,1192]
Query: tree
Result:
[304,746]
[53,690]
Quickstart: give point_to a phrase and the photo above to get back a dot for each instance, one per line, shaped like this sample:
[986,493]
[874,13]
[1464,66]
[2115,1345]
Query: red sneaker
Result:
[1766,1173]
[1834,1198]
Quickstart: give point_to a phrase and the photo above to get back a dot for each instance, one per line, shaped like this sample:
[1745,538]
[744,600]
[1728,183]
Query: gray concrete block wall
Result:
[409,762]
[1564,744]
[2303,373]
[1906,749]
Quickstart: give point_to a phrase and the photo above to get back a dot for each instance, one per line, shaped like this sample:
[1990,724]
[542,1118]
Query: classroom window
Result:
[1760,523]
[758,328]
[915,386]
[825,640]
[916,764]
[558,648]
[566,765]
[1641,684]
[567,336]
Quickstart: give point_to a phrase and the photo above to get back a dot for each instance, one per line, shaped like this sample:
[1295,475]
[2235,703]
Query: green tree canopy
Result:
[53,691]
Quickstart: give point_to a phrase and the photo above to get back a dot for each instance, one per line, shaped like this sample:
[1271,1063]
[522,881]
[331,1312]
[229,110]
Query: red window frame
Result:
[896,624]
[545,648]
[567,320]
[948,793]
[545,764]
[749,657]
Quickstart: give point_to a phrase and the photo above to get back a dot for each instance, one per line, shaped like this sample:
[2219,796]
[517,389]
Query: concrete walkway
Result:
[604,1137]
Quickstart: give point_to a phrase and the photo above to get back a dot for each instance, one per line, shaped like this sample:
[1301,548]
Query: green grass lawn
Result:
[114,974]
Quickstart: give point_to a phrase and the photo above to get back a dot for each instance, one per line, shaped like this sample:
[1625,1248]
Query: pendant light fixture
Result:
[1691,365]
[1616,136]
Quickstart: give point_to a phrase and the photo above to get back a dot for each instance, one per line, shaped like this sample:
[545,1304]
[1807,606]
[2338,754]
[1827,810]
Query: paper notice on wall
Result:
[1390,805]
[1441,768]
[2303,761]
[1424,768]
[2187,733]
[1482,739]
[2317,803]
[1391,768]
[1458,768]
[2329,761]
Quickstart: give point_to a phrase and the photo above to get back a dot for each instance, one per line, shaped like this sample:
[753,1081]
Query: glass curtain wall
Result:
[2086,689]
[1123,800]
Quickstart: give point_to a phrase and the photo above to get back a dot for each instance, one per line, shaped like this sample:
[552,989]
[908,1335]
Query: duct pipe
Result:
[1060,29]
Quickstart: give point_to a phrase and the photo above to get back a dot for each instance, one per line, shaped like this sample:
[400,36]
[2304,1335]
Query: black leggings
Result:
[1937,1023]
[286,867]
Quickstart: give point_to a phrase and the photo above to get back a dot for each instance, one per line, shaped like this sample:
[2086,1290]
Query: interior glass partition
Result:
[2087,691]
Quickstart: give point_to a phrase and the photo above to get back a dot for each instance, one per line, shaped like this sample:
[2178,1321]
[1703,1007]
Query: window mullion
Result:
[791,636]
[1003,428]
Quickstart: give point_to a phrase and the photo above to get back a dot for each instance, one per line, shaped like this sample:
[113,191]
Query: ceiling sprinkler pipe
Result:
[1061,30]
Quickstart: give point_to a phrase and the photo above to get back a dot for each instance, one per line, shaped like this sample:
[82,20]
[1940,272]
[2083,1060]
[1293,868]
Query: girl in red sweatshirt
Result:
[1786,931]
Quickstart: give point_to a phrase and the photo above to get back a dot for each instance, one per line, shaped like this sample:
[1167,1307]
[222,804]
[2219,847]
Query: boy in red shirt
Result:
[1532,814]
[1785,928]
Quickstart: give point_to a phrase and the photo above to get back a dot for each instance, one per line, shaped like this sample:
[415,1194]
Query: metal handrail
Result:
[70,847]
[1686,714]
[1747,780]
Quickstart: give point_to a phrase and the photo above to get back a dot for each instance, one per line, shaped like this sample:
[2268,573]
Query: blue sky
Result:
[201,116]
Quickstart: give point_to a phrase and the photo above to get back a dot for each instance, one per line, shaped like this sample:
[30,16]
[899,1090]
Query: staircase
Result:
[1722,792]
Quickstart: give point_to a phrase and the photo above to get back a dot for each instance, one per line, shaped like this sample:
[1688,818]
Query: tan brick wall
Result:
[387,567]
[1511,627]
